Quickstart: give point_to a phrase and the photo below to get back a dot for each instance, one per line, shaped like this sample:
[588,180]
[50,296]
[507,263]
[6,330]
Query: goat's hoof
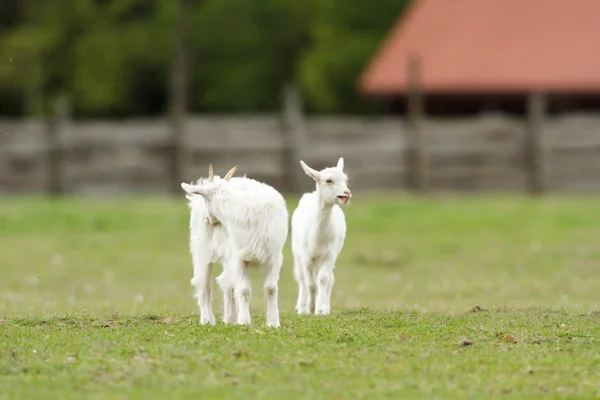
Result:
[207,321]
[322,311]
[302,309]
[243,318]
[273,323]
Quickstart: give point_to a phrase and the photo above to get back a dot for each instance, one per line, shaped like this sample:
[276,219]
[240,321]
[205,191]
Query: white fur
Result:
[254,221]
[208,245]
[318,234]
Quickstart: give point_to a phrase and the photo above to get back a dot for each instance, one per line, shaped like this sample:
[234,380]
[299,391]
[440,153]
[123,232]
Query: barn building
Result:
[474,56]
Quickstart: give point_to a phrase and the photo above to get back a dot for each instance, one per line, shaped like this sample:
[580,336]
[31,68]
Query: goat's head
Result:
[332,183]
[207,187]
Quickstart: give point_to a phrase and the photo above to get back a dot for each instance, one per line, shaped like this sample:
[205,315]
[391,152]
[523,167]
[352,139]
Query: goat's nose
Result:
[347,192]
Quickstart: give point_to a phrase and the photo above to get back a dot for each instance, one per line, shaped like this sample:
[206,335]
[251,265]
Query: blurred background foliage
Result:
[113,57]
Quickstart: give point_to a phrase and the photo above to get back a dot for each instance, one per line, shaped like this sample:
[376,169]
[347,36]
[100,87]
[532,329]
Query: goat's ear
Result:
[340,163]
[310,172]
[187,187]
[192,189]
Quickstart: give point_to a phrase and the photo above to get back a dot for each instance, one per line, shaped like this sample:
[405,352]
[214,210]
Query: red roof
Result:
[492,46]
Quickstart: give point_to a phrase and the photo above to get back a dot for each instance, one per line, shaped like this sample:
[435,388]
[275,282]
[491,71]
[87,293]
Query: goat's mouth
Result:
[344,199]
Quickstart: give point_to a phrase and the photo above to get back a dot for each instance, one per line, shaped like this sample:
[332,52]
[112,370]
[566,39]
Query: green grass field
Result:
[465,297]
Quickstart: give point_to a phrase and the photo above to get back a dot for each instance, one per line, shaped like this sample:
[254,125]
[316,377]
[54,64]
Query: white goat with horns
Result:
[249,220]
[207,247]
[318,234]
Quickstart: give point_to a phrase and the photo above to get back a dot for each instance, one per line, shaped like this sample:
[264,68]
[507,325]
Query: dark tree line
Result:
[119,57]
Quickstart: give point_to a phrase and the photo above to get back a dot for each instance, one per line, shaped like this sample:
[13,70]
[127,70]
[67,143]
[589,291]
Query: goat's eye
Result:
[329,181]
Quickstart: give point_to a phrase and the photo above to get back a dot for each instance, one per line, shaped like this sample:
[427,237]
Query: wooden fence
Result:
[136,156]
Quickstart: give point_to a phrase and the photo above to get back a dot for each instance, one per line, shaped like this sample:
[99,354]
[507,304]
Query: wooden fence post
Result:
[178,96]
[295,135]
[535,151]
[56,122]
[417,164]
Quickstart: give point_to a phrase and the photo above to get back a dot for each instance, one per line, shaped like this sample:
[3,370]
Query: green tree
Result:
[88,49]
[346,34]
[246,51]
[115,57]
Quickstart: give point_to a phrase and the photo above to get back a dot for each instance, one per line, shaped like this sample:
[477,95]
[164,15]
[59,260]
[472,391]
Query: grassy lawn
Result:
[466,297]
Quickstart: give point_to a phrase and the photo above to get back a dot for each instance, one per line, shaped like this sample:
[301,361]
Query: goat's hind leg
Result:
[229,306]
[301,276]
[227,282]
[312,288]
[203,294]
[271,288]
[242,291]
[325,281]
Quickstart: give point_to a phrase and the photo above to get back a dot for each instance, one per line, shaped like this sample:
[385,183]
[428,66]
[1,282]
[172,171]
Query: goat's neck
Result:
[210,208]
[224,205]
[324,213]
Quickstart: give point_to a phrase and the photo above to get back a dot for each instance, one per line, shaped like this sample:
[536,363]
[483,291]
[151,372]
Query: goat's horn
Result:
[210,173]
[230,173]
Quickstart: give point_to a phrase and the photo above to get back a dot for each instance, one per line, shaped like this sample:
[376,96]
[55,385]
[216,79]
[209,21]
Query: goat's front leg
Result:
[325,281]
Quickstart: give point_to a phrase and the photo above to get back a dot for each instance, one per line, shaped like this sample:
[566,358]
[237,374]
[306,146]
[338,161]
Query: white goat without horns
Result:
[253,219]
[318,234]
